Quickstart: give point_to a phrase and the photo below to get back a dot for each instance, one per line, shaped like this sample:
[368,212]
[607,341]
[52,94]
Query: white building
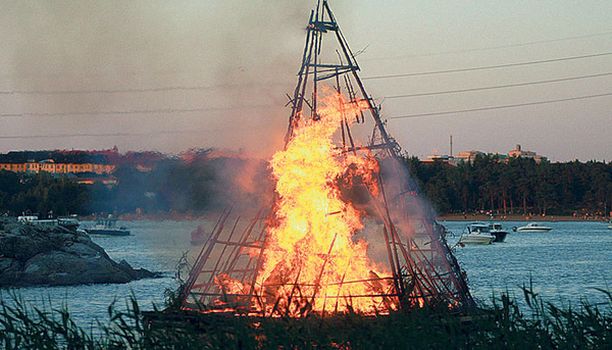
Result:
[518,152]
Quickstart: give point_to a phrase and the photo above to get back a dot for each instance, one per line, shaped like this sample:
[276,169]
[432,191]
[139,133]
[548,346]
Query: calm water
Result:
[154,245]
[565,265]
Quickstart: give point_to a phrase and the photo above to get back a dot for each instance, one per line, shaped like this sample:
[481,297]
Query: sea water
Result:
[566,265]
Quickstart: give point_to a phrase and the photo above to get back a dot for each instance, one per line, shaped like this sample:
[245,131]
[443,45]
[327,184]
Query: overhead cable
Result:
[419,115]
[500,86]
[497,66]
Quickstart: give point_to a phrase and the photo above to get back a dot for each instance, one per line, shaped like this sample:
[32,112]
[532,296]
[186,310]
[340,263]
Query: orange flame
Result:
[312,261]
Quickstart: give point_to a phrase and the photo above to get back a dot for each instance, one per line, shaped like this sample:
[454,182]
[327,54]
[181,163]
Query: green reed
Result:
[502,325]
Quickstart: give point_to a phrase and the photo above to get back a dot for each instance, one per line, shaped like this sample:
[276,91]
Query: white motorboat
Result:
[69,222]
[610,225]
[107,227]
[498,231]
[477,233]
[532,227]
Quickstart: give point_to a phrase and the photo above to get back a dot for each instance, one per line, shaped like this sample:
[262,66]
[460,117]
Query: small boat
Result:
[532,227]
[69,222]
[198,236]
[477,233]
[610,225]
[107,227]
[498,231]
[34,220]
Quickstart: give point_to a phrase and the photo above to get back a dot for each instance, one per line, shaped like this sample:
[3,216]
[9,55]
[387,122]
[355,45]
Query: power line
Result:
[516,64]
[121,134]
[141,111]
[118,134]
[499,107]
[528,43]
[104,91]
[127,90]
[500,86]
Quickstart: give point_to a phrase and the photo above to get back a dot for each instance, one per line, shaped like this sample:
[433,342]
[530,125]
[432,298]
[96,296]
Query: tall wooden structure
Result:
[424,271]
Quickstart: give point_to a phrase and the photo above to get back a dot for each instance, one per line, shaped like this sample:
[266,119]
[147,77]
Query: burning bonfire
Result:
[311,261]
[311,258]
[309,254]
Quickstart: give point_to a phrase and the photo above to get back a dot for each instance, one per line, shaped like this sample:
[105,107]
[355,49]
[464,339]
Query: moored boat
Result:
[69,222]
[477,233]
[498,232]
[34,220]
[532,227]
[107,227]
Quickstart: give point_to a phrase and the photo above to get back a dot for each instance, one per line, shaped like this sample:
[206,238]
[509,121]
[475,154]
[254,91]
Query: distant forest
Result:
[172,185]
[175,185]
[518,186]
[111,156]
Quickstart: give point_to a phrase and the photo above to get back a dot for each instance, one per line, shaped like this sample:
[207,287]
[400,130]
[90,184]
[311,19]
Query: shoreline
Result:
[157,217]
[213,216]
[523,218]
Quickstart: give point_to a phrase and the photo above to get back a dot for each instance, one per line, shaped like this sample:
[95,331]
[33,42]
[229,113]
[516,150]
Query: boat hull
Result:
[476,239]
[107,232]
[530,229]
[500,236]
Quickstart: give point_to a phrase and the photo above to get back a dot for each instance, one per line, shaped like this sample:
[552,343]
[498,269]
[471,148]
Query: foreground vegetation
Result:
[499,326]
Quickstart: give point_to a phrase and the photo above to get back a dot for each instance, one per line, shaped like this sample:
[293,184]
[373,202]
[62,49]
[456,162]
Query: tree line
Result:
[172,185]
[516,186]
[79,157]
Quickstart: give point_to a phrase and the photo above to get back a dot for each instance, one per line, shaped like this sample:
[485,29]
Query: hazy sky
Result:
[239,58]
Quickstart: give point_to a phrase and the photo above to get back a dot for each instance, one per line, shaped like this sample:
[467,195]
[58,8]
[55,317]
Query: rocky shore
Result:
[55,255]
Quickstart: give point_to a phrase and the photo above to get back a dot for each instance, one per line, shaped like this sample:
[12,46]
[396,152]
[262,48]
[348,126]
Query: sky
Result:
[173,75]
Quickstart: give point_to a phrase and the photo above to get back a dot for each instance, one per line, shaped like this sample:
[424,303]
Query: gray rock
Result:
[61,268]
[80,249]
[10,271]
[33,255]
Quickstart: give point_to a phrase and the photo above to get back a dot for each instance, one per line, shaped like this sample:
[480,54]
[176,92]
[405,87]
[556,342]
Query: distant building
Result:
[518,152]
[16,168]
[438,158]
[50,166]
[469,156]
[435,158]
[109,181]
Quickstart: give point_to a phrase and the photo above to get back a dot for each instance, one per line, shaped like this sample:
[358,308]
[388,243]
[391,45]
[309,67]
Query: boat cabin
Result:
[478,227]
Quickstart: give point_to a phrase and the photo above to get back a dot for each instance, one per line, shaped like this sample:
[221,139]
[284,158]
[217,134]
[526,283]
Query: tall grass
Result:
[503,325]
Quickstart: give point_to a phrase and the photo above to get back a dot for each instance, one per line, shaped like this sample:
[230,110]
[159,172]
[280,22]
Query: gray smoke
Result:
[245,52]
